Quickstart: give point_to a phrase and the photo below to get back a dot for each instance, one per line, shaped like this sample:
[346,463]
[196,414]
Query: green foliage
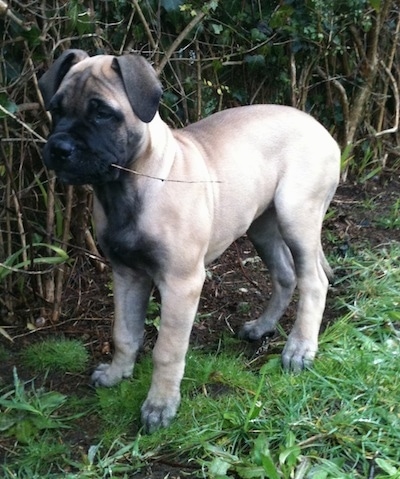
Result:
[58,355]
[26,414]
[7,104]
[14,263]
[153,313]
[119,407]
[392,220]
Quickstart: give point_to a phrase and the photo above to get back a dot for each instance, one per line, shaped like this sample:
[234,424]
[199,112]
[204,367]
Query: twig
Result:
[5,10]
[293,78]
[395,89]
[59,279]
[162,179]
[23,271]
[199,81]
[311,440]
[19,209]
[343,99]
[179,39]
[49,281]
[370,57]
[38,93]
[244,271]
[258,89]
[20,224]
[145,24]
[22,123]
[123,43]
[388,67]
[91,246]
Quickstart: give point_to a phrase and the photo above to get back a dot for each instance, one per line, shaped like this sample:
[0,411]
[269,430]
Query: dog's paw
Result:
[106,375]
[156,414]
[298,354]
[254,330]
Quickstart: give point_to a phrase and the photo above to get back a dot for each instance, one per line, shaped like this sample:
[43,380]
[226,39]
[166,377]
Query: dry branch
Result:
[145,24]
[395,90]
[5,10]
[179,39]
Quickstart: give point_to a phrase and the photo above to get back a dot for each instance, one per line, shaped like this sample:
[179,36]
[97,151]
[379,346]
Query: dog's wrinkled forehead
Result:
[128,82]
[91,78]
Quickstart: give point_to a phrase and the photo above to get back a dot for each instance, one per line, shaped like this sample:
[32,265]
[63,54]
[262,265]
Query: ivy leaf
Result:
[6,103]
[217,29]
[32,36]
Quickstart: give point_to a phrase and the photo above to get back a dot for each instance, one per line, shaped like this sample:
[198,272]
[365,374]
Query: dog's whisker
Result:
[170,180]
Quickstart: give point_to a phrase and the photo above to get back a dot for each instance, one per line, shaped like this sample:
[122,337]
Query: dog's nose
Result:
[61,150]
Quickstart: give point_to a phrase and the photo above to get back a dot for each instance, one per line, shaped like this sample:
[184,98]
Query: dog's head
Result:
[100,106]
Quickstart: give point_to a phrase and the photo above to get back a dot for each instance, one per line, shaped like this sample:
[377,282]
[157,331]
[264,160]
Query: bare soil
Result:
[236,290]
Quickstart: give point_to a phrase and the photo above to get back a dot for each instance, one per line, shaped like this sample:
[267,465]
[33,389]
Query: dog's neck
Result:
[117,200]
[154,164]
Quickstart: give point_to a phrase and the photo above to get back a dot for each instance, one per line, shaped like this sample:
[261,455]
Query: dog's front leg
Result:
[179,302]
[131,296]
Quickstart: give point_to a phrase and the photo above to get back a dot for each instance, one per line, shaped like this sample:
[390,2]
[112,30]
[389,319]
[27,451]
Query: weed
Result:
[392,220]
[26,413]
[32,416]
[59,355]
[39,457]
[153,313]
[15,263]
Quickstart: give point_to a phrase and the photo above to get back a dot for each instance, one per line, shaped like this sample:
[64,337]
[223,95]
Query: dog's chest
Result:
[120,237]
[129,247]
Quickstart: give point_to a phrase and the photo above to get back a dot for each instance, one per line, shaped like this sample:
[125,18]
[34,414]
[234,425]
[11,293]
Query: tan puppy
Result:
[265,170]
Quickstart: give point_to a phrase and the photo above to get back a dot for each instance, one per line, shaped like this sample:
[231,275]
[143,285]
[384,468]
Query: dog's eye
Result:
[104,114]
[101,112]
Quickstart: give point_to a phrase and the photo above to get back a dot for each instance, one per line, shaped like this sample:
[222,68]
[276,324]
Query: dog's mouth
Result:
[77,165]
[76,177]
[79,178]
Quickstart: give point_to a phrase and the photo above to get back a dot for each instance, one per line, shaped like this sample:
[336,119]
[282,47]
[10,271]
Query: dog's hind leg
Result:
[300,222]
[267,239]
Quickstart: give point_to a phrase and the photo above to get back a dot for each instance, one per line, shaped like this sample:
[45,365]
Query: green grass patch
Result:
[392,219]
[31,418]
[340,419]
[28,411]
[57,355]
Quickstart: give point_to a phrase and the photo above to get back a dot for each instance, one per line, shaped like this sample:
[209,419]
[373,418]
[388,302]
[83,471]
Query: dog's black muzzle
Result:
[75,163]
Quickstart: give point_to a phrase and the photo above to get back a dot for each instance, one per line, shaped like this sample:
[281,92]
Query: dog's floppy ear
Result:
[141,84]
[51,80]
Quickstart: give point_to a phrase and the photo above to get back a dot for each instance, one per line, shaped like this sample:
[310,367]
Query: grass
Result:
[340,419]
[392,219]
[57,355]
